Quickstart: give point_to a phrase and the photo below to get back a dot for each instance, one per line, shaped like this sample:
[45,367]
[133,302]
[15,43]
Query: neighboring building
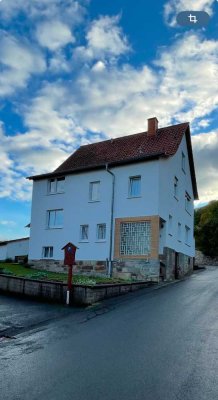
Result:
[14,249]
[126,203]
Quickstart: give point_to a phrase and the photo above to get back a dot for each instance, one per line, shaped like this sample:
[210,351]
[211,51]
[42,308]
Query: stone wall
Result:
[201,259]
[53,291]
[81,267]
[139,269]
[168,262]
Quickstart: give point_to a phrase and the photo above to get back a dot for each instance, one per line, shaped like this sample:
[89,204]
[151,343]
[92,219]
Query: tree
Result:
[206,229]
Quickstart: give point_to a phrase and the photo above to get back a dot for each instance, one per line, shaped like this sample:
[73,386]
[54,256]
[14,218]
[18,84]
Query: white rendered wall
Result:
[168,204]
[3,252]
[78,210]
[17,248]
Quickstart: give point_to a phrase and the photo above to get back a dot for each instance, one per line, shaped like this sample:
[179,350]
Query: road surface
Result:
[149,345]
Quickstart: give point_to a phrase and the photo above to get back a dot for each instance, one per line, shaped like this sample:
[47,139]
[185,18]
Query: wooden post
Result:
[69,283]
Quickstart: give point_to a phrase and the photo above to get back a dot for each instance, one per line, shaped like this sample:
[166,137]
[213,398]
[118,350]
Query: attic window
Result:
[56,185]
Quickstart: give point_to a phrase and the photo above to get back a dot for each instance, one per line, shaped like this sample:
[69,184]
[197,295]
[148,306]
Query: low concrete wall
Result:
[55,291]
[201,259]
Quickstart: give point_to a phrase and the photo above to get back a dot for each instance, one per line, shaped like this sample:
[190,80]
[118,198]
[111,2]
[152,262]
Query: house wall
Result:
[17,248]
[3,252]
[78,210]
[170,242]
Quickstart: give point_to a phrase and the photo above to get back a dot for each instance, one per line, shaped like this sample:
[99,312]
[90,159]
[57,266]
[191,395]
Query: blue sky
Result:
[74,72]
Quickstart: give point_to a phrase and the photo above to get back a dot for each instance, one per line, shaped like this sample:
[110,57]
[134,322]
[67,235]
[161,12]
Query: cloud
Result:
[105,39]
[205,147]
[8,223]
[54,35]
[18,62]
[173,7]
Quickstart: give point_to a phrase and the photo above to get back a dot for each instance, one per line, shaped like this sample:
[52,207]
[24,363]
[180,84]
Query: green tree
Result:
[206,229]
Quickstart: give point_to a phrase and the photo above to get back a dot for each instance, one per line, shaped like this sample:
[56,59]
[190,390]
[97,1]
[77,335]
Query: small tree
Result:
[206,229]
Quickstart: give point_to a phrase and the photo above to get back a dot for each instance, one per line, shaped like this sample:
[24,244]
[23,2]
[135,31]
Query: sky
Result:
[77,72]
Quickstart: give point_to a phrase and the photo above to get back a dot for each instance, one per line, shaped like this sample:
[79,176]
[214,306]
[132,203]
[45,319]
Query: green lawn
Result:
[26,272]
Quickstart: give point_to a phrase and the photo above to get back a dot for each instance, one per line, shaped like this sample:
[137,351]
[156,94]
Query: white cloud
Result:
[205,147]
[54,35]
[173,7]
[105,39]
[18,62]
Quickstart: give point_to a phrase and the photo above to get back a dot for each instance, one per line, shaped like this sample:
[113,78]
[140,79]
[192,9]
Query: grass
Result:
[25,272]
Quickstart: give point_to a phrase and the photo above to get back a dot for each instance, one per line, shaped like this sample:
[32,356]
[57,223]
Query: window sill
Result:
[55,227]
[179,241]
[176,198]
[47,258]
[170,234]
[84,241]
[52,194]
[100,241]
[188,245]
[134,197]
[93,201]
[184,171]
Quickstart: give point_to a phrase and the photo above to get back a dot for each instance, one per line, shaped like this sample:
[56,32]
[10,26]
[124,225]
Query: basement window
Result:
[47,252]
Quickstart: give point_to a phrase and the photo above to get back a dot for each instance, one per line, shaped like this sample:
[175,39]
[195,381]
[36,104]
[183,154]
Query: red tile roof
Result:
[126,149]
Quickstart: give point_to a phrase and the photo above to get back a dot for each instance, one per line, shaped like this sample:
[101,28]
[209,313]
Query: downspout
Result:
[112,221]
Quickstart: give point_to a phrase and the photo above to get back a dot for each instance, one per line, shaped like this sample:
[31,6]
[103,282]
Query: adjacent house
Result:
[15,250]
[126,203]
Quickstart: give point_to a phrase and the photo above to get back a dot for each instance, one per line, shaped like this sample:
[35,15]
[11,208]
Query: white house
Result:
[126,203]
[14,249]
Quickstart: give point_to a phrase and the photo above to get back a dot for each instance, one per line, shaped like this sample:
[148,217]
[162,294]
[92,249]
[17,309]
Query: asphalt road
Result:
[150,345]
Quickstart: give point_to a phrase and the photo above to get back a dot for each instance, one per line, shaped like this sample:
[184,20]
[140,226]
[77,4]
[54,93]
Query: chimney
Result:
[152,126]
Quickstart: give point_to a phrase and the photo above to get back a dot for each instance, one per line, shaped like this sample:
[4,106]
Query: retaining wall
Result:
[56,291]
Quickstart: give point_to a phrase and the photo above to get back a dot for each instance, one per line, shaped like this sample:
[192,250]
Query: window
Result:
[179,231]
[94,191]
[54,219]
[170,225]
[47,252]
[187,235]
[135,186]
[183,162]
[135,238]
[84,232]
[56,185]
[188,202]
[101,231]
[176,186]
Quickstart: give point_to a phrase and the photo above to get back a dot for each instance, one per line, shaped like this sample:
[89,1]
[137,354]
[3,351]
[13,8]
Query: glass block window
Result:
[135,238]
[101,231]
[135,186]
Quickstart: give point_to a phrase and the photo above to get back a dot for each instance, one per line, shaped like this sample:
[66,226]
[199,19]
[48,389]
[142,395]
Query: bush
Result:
[9,261]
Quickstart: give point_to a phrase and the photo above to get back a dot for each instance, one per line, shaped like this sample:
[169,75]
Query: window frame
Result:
[187,235]
[48,213]
[183,162]
[170,225]
[97,232]
[91,185]
[81,231]
[179,232]
[55,180]
[188,202]
[176,187]
[132,178]
[50,249]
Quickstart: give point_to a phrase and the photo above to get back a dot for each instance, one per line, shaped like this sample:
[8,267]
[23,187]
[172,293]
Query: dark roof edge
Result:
[3,243]
[95,167]
[191,162]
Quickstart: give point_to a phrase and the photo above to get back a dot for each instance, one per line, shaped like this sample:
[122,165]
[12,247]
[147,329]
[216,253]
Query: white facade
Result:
[14,248]
[156,199]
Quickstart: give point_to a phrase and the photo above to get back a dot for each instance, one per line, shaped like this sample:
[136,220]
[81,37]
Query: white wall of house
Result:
[175,205]
[14,248]
[78,210]
[17,248]
[3,252]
